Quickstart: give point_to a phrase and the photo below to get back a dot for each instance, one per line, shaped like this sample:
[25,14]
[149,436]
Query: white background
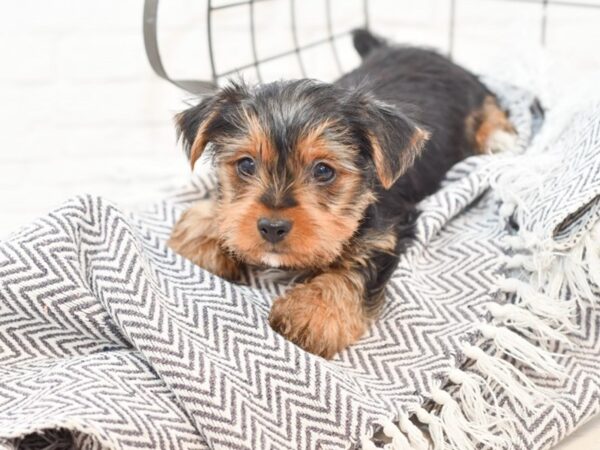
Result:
[80,110]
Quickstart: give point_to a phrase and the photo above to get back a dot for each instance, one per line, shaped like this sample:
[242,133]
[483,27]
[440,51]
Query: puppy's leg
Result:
[323,315]
[196,238]
[333,310]
[489,129]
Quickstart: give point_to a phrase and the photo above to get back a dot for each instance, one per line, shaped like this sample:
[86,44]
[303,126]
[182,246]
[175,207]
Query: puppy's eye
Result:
[246,166]
[323,173]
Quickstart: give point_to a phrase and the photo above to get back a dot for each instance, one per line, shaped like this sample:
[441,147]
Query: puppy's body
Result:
[325,178]
[446,100]
[436,94]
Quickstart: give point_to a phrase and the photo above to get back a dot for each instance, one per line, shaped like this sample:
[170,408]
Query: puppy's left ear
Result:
[194,126]
[395,140]
[209,119]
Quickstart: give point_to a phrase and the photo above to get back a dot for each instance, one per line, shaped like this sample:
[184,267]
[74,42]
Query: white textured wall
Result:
[80,110]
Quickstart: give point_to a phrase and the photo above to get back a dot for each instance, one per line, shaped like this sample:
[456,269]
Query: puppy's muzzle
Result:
[273,230]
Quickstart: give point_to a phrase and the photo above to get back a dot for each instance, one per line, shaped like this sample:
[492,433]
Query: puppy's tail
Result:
[365,42]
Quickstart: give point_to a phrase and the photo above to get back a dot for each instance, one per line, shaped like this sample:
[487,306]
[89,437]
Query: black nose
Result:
[273,230]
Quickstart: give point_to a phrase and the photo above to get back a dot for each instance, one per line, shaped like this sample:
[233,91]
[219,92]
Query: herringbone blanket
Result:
[489,336]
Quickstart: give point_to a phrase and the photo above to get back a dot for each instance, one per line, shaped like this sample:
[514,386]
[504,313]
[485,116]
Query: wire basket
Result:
[329,38]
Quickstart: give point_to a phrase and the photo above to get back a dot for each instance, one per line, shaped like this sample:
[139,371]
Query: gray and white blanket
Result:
[489,338]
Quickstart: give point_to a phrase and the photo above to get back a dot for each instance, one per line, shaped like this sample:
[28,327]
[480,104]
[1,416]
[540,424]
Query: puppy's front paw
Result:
[209,255]
[214,259]
[323,316]
[194,237]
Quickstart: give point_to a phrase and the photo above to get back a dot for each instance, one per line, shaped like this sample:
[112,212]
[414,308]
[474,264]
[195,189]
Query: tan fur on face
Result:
[324,315]
[319,144]
[316,239]
[258,144]
[196,237]
[324,219]
[484,122]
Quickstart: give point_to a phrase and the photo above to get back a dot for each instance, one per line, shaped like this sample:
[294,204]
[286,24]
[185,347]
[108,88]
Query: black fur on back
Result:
[365,42]
[432,91]
[436,94]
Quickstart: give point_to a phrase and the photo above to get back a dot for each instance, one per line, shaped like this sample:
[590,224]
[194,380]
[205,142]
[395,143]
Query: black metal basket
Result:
[248,7]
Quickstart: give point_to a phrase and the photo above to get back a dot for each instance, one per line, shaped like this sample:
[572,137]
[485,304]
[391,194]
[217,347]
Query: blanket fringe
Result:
[460,431]
[514,346]
[466,412]
[399,440]
[415,435]
[473,393]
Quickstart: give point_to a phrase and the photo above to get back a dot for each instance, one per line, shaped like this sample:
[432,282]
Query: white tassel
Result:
[367,443]
[543,259]
[595,235]
[399,440]
[525,240]
[513,345]
[472,393]
[400,445]
[559,312]
[459,431]
[507,209]
[575,274]
[553,280]
[512,242]
[517,386]
[532,240]
[592,254]
[434,426]
[415,435]
[519,261]
[532,262]
[528,324]
[452,421]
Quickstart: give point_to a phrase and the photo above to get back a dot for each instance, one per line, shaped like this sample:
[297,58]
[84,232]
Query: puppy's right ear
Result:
[200,124]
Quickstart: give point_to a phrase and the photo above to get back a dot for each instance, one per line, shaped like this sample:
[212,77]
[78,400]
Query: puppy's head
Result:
[298,164]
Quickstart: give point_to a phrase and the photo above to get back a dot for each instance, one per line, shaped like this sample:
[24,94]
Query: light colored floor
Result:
[585,438]
[80,110]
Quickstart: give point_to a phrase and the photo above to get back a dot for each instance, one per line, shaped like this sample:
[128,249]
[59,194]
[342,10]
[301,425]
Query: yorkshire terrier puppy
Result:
[324,178]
